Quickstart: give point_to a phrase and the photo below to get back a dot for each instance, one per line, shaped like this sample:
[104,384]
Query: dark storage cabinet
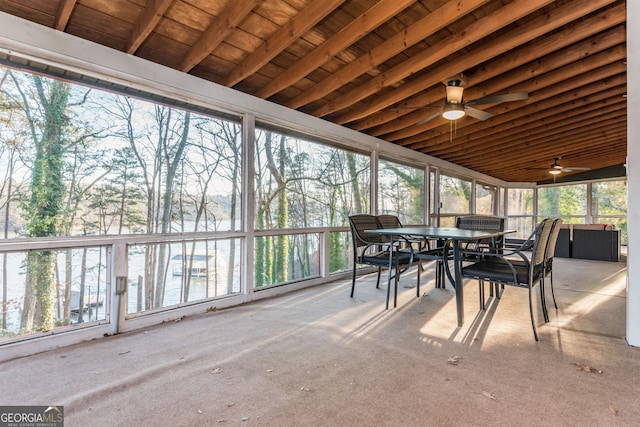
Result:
[601,245]
[563,244]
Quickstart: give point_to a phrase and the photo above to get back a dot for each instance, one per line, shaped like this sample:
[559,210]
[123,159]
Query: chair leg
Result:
[552,293]
[533,323]
[481,293]
[388,291]
[543,300]
[353,281]
[378,282]
[396,279]
[418,280]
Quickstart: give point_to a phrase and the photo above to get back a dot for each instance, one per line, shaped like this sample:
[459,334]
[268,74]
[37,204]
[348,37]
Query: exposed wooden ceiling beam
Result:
[473,136]
[281,39]
[583,119]
[602,77]
[609,136]
[63,14]
[576,147]
[362,25]
[492,48]
[552,137]
[554,53]
[219,29]
[571,96]
[401,41]
[463,150]
[560,78]
[529,122]
[538,170]
[574,150]
[150,17]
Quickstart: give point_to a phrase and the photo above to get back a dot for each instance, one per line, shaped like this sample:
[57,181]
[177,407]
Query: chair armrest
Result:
[504,257]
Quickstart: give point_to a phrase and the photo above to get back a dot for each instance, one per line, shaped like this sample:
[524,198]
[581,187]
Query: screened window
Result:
[79,161]
[455,195]
[79,296]
[302,184]
[609,198]
[106,164]
[520,211]
[609,205]
[184,272]
[566,201]
[433,209]
[401,192]
[520,201]
[485,198]
[455,199]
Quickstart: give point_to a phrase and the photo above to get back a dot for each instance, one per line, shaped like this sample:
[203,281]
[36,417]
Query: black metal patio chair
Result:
[422,250]
[525,272]
[550,255]
[375,250]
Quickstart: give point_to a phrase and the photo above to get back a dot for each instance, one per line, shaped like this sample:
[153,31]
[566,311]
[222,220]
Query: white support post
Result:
[119,287]
[248,203]
[633,172]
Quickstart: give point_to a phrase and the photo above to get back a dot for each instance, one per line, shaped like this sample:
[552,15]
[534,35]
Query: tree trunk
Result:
[7,209]
[355,185]
[45,207]
[172,161]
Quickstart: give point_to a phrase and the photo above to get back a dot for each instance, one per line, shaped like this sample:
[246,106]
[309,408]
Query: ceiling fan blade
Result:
[571,169]
[477,114]
[428,119]
[496,99]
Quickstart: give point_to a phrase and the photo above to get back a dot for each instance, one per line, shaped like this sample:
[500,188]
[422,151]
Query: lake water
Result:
[95,278]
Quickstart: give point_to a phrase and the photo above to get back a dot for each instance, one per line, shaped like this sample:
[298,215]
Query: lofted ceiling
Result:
[380,67]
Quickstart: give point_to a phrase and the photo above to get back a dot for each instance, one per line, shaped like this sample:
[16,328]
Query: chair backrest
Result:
[542,232]
[553,239]
[360,223]
[480,222]
[483,222]
[389,221]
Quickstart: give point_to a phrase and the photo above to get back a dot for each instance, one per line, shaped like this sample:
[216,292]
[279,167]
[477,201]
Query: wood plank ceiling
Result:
[380,66]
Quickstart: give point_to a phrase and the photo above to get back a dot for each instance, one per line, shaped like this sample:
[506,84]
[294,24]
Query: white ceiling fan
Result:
[556,169]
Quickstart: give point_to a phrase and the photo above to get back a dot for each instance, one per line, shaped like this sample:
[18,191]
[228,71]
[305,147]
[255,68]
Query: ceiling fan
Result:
[455,107]
[556,169]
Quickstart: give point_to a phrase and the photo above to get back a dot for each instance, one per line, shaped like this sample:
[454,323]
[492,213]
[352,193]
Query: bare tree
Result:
[43,205]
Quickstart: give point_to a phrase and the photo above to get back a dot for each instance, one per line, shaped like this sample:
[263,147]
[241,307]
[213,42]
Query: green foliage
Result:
[401,191]
[610,198]
[44,206]
[565,200]
[455,195]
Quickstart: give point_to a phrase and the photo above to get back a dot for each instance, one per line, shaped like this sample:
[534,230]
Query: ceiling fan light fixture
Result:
[454,92]
[453,111]
[555,171]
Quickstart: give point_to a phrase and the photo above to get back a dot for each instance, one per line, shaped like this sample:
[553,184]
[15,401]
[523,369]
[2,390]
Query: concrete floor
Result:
[317,357]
